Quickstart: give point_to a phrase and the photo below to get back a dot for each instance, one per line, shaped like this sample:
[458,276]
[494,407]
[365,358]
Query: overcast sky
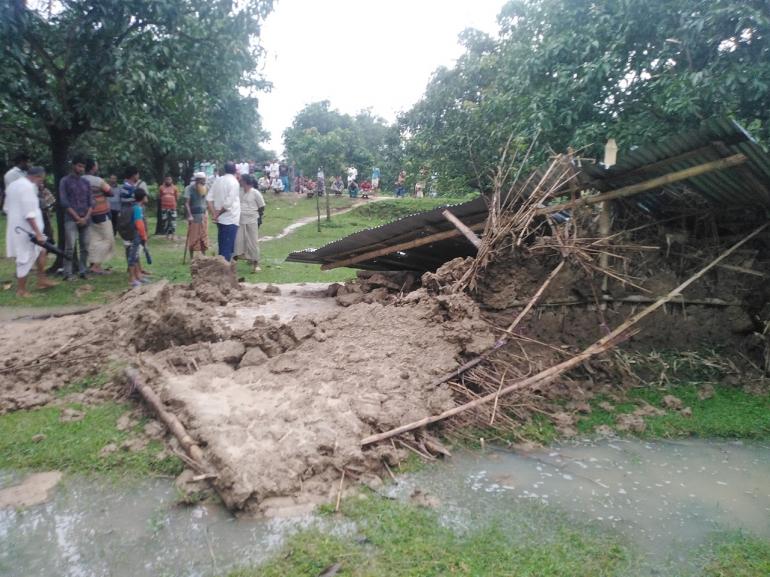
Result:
[358,54]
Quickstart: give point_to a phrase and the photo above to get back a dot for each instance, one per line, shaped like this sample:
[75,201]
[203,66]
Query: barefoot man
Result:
[24,216]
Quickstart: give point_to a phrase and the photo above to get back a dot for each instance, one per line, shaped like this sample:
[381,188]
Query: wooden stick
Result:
[460,225]
[339,492]
[599,346]
[658,182]
[533,300]
[633,299]
[401,246]
[170,420]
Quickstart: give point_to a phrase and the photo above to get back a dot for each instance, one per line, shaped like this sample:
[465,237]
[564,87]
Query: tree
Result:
[632,70]
[87,66]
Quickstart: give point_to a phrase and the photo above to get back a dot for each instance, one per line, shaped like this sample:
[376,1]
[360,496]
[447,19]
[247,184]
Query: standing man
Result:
[114,202]
[283,174]
[375,179]
[169,199]
[275,169]
[225,208]
[400,184]
[352,174]
[23,209]
[19,169]
[102,238]
[77,202]
[195,203]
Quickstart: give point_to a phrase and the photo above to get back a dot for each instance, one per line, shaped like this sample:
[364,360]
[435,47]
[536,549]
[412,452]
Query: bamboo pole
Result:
[721,164]
[599,346]
[174,425]
[460,225]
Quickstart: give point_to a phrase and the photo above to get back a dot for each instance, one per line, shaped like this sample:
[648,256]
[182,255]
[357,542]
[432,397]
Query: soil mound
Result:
[214,279]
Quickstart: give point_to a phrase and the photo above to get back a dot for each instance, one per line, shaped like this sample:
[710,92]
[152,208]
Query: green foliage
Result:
[157,79]
[396,539]
[74,446]
[575,72]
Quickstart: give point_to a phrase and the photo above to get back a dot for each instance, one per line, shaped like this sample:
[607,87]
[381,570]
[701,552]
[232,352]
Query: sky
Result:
[376,54]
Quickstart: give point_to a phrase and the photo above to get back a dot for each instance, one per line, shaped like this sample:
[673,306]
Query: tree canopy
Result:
[163,79]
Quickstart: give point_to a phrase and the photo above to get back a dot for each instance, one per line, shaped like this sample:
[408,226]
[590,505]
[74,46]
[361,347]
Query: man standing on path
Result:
[102,239]
[23,209]
[225,208]
[77,202]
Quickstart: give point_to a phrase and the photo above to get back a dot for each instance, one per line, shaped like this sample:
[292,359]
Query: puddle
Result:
[93,529]
[666,498]
[295,299]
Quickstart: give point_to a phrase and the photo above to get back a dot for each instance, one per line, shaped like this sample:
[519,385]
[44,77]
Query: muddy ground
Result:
[278,385]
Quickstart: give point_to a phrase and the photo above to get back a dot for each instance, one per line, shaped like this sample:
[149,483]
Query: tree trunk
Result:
[158,169]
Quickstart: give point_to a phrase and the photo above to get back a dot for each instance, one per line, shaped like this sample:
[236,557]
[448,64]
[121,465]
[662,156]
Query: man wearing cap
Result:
[224,202]
[24,217]
[197,222]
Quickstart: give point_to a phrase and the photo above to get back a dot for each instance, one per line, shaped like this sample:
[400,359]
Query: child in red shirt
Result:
[169,198]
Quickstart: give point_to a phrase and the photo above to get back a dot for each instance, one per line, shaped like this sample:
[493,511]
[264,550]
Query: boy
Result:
[135,277]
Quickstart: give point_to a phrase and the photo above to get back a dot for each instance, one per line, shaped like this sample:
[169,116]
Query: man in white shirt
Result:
[19,169]
[275,170]
[224,204]
[24,217]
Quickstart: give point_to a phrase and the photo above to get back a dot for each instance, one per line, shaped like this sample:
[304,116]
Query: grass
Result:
[74,446]
[740,556]
[399,540]
[167,256]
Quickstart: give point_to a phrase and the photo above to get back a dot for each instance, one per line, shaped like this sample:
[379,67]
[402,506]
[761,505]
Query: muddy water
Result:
[93,529]
[666,499]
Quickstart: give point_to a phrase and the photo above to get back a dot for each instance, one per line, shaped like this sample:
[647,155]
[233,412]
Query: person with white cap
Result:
[197,221]
[24,218]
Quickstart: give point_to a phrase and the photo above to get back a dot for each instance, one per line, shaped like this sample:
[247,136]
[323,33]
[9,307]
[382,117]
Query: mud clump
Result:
[172,321]
[214,279]
[373,287]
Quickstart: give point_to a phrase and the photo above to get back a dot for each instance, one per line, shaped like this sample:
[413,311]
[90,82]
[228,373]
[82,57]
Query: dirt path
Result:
[308,219]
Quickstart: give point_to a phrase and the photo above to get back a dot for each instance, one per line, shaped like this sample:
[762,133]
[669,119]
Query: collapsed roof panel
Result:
[725,168]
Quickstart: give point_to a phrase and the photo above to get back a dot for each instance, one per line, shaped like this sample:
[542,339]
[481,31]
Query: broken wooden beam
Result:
[431,238]
[626,191]
[462,227]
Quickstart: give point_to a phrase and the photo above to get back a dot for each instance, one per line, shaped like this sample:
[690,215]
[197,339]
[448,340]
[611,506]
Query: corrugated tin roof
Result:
[747,185]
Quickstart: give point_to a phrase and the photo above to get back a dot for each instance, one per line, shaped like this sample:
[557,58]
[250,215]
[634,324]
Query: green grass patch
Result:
[167,255]
[75,446]
[741,556]
[395,540]
[89,382]
[730,413]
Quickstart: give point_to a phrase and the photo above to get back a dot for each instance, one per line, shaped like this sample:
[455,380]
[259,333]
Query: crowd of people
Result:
[96,211]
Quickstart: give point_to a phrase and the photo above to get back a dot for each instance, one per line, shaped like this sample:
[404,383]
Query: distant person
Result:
[283,174]
[77,202]
[24,217]
[114,201]
[135,275]
[277,185]
[197,222]
[401,184]
[47,202]
[375,178]
[275,170]
[252,211]
[224,205]
[101,245]
[169,200]
[366,188]
[353,189]
[352,174]
[264,183]
[337,186]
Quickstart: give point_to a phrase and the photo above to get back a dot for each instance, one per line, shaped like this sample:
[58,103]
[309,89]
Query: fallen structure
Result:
[495,312]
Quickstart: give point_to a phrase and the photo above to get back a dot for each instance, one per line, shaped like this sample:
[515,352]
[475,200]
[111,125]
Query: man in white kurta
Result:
[24,216]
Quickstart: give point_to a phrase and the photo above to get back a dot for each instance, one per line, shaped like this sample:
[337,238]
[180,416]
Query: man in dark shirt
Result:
[77,202]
